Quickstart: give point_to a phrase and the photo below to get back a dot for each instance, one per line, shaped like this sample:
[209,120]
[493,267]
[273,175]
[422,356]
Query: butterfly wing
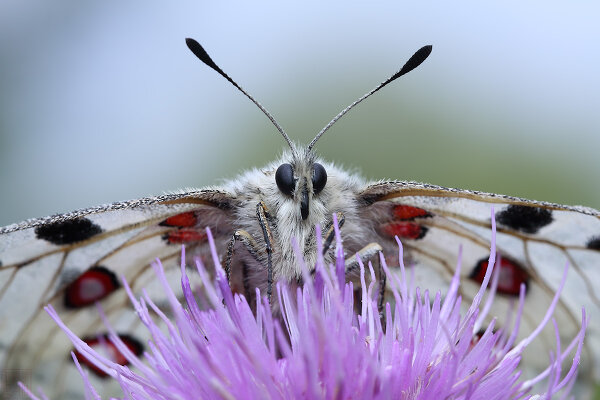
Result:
[534,239]
[53,260]
[73,260]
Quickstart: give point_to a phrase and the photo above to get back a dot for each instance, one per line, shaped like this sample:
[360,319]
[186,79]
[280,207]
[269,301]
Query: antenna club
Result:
[413,62]
[416,59]
[194,46]
[199,52]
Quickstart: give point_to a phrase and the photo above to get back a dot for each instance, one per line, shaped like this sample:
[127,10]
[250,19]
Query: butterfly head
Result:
[301,179]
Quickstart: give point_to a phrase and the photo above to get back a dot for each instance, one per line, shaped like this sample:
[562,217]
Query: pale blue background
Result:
[101,101]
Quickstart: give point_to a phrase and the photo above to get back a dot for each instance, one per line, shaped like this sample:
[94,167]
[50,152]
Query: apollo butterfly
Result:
[75,260]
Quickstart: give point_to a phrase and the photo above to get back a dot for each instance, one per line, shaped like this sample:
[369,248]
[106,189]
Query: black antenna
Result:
[411,64]
[199,52]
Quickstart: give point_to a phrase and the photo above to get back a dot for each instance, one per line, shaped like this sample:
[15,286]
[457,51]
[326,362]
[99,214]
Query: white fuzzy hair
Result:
[284,216]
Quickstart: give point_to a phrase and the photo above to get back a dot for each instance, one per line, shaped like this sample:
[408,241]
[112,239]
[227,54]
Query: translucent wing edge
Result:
[385,190]
[214,197]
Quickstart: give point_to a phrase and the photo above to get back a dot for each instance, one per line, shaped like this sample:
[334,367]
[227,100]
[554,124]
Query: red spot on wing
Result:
[404,230]
[475,339]
[183,220]
[405,213]
[108,349]
[94,284]
[510,279]
[181,236]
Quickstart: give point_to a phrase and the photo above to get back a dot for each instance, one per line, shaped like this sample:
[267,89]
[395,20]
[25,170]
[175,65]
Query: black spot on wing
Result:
[68,231]
[594,243]
[524,218]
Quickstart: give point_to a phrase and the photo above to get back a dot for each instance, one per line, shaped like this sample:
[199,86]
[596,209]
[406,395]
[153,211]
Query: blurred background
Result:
[102,101]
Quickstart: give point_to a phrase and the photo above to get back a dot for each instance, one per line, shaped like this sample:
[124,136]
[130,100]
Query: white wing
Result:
[73,260]
[535,239]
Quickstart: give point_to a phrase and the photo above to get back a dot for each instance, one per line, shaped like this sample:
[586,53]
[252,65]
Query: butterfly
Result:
[76,259]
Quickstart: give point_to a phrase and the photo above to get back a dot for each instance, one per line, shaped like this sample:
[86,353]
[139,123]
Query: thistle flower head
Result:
[418,347]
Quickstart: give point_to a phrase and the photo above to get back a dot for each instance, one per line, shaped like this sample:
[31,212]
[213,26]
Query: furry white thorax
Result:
[283,211]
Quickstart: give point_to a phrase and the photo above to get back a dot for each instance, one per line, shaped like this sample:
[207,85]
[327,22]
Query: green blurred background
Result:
[102,101]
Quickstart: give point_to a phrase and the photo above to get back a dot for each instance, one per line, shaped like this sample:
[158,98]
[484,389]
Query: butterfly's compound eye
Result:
[319,178]
[284,177]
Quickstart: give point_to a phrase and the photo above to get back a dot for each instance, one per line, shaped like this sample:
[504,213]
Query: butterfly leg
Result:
[366,253]
[261,214]
[248,241]
[252,247]
[382,283]
[330,232]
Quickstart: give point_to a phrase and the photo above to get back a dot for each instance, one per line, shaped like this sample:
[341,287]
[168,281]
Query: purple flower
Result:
[321,348]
